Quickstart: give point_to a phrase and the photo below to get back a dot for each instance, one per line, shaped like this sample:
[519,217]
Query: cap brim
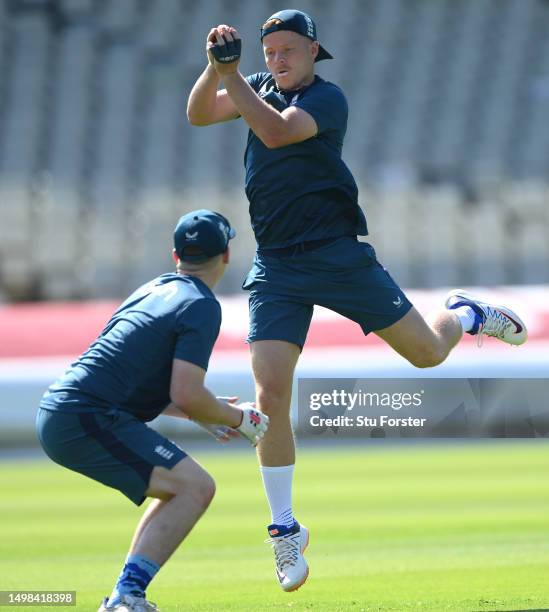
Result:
[323,54]
[232,233]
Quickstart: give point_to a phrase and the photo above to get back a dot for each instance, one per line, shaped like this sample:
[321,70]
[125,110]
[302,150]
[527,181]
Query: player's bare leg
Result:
[183,493]
[424,343]
[273,363]
[153,507]
[186,490]
[427,343]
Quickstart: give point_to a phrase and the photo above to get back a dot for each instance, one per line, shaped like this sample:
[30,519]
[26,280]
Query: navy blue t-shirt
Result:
[303,191]
[129,366]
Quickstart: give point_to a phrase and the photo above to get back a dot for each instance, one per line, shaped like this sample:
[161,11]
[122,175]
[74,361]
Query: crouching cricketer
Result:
[151,359]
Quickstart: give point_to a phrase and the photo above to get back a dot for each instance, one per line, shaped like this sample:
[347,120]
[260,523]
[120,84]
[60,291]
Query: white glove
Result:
[254,424]
[221,433]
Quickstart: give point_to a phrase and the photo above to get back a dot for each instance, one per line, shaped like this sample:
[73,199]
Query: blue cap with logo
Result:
[202,234]
[299,22]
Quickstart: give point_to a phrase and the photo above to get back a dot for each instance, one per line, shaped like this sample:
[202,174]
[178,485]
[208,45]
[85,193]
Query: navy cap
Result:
[204,233]
[296,21]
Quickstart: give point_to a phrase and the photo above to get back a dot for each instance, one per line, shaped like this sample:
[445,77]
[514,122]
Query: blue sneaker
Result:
[289,544]
[496,321]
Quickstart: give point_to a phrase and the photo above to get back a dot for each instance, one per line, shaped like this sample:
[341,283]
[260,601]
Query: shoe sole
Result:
[300,584]
[459,293]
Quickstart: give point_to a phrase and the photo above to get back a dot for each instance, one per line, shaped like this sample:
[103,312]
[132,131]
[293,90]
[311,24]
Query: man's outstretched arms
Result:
[190,397]
[207,105]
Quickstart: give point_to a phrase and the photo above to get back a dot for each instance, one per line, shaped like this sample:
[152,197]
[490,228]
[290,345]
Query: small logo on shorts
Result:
[163,452]
[398,302]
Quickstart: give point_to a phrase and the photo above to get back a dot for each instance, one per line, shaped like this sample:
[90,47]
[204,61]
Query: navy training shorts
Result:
[343,275]
[112,447]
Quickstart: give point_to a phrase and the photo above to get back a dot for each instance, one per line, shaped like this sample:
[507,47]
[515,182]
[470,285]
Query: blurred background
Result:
[448,140]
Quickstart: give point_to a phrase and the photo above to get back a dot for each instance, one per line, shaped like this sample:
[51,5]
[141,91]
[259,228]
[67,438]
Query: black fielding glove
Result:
[227,53]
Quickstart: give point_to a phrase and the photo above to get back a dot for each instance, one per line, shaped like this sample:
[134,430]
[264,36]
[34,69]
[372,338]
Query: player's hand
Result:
[221,433]
[254,423]
[224,47]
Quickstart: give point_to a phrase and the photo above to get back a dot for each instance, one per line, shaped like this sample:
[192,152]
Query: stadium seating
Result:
[448,137]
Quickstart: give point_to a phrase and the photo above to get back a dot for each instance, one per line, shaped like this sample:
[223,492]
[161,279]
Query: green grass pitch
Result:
[435,527]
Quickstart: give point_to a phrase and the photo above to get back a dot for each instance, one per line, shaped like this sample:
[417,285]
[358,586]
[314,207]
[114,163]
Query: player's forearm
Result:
[265,121]
[201,405]
[202,99]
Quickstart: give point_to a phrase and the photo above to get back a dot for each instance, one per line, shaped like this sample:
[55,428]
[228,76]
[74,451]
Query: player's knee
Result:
[428,357]
[204,490]
[272,397]
[190,479]
[201,487]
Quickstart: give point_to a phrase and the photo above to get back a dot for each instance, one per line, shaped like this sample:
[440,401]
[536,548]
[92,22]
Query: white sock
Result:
[278,487]
[467,317]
